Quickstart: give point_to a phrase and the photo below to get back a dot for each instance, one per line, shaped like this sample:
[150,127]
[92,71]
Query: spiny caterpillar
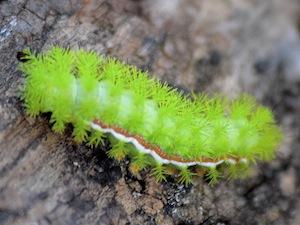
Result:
[152,123]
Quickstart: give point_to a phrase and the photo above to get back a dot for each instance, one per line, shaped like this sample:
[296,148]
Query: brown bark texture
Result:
[208,45]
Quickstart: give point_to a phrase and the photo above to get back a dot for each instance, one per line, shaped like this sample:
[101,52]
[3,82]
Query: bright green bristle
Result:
[79,87]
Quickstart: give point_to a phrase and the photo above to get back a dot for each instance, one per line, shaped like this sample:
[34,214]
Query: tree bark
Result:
[211,46]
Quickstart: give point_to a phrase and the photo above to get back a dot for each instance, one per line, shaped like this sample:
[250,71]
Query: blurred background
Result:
[227,46]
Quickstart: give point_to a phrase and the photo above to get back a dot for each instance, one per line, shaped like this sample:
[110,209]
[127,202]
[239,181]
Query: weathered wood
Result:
[47,178]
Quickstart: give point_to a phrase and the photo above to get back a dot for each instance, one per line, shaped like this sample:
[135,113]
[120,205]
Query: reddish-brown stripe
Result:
[157,149]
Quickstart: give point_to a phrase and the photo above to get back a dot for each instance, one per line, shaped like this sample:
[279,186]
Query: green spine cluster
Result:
[78,87]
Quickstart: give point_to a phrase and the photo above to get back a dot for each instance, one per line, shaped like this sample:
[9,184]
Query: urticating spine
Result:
[99,95]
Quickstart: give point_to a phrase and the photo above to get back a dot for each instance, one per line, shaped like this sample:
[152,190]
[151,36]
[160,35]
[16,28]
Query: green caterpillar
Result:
[154,124]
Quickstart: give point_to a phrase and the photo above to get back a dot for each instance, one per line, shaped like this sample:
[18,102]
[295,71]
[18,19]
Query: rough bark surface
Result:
[208,45]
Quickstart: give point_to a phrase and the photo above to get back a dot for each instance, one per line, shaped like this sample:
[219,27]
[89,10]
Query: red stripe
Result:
[158,150]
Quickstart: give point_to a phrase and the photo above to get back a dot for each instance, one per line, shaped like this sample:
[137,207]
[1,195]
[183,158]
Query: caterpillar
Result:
[147,120]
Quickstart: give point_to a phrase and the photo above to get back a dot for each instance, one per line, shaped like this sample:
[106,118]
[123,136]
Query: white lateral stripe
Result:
[141,148]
